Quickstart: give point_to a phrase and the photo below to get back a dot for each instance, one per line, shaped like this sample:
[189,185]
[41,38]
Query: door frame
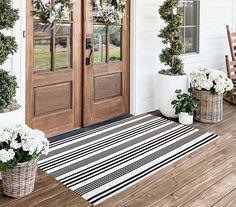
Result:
[29,76]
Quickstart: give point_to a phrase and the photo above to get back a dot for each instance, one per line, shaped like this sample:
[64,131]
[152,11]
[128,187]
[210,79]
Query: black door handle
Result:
[89,47]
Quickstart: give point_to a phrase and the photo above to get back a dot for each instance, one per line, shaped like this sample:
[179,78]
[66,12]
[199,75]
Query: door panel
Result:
[106,79]
[54,72]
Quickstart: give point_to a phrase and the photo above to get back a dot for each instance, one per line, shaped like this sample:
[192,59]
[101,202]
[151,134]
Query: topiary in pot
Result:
[174,76]
[8,87]
[171,37]
[8,45]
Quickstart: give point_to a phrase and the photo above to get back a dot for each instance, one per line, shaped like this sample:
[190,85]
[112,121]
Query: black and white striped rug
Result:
[102,162]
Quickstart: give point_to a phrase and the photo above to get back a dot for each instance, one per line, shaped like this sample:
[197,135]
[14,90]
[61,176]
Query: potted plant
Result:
[209,86]
[20,148]
[185,106]
[9,109]
[174,77]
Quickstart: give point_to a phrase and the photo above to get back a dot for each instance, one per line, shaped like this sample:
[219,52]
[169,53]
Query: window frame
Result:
[197,26]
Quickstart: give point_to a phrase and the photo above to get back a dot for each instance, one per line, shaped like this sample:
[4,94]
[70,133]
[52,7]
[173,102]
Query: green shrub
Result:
[8,46]
[8,87]
[8,15]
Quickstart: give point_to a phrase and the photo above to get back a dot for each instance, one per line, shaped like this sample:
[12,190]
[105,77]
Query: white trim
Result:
[133,57]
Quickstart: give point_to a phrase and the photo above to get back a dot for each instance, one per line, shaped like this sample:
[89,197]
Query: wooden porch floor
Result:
[207,177]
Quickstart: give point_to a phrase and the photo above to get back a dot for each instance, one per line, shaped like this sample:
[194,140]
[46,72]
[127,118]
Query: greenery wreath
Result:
[43,10]
[109,11]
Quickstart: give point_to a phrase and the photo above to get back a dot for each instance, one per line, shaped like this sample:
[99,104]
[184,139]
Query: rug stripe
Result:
[71,138]
[116,189]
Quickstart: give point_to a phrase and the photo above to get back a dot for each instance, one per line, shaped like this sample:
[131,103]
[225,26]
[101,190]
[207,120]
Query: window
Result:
[190,28]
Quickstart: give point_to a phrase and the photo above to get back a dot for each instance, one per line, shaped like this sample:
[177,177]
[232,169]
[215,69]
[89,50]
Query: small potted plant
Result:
[20,148]
[184,106]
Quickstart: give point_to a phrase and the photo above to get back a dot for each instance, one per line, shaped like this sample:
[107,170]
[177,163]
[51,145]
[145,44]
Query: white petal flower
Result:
[6,155]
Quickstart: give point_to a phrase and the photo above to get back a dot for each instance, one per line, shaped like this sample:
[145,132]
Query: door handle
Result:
[89,47]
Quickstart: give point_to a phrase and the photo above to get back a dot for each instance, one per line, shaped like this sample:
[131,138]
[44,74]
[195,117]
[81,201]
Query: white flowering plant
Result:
[44,10]
[21,144]
[109,11]
[208,79]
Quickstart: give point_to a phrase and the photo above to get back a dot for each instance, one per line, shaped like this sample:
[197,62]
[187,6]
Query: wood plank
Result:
[228,201]
[177,168]
[214,193]
[62,199]
[199,185]
[164,187]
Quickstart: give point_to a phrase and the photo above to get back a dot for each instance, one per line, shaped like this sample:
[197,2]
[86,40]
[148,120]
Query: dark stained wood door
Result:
[54,72]
[106,78]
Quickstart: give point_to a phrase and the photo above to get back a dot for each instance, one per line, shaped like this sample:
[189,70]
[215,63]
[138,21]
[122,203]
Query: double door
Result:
[77,70]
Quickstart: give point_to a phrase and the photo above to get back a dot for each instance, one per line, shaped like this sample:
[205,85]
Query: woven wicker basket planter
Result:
[210,109]
[19,181]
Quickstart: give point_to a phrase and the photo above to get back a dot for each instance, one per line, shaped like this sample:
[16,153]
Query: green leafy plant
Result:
[8,87]
[8,45]
[185,102]
[171,37]
[8,15]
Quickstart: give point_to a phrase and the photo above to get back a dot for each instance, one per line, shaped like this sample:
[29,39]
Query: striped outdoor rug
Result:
[102,162]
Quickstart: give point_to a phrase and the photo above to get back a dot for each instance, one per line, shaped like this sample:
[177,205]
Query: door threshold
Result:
[85,129]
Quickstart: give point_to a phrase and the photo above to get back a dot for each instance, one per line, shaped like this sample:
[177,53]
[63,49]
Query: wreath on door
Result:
[44,11]
[109,11]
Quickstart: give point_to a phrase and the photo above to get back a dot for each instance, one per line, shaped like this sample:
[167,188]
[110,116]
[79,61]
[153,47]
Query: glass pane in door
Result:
[63,51]
[99,35]
[115,44]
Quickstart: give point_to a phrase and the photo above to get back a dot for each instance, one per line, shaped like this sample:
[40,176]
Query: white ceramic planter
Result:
[185,118]
[167,86]
[10,119]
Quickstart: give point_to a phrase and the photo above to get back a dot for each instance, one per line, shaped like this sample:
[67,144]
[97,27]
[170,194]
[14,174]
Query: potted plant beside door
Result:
[174,76]
[9,109]
[20,148]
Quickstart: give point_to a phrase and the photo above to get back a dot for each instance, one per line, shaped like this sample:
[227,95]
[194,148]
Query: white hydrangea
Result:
[6,155]
[211,80]
[5,135]
[22,137]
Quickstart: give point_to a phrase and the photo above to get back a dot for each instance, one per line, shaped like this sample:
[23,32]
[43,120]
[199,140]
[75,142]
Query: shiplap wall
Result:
[16,63]
[146,46]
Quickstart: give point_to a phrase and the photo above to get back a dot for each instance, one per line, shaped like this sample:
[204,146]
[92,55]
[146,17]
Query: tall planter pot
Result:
[167,86]
[210,107]
[20,180]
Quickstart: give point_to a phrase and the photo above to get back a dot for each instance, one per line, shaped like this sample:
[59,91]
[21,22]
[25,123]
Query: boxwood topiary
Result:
[8,46]
[8,15]
[8,87]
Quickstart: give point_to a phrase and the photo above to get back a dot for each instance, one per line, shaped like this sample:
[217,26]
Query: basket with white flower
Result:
[209,87]
[20,148]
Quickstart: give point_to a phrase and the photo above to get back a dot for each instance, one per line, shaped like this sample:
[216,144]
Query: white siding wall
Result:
[214,15]
[16,63]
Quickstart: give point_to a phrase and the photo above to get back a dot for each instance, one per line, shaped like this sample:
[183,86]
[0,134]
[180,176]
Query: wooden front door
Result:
[64,91]
[106,70]
[54,76]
